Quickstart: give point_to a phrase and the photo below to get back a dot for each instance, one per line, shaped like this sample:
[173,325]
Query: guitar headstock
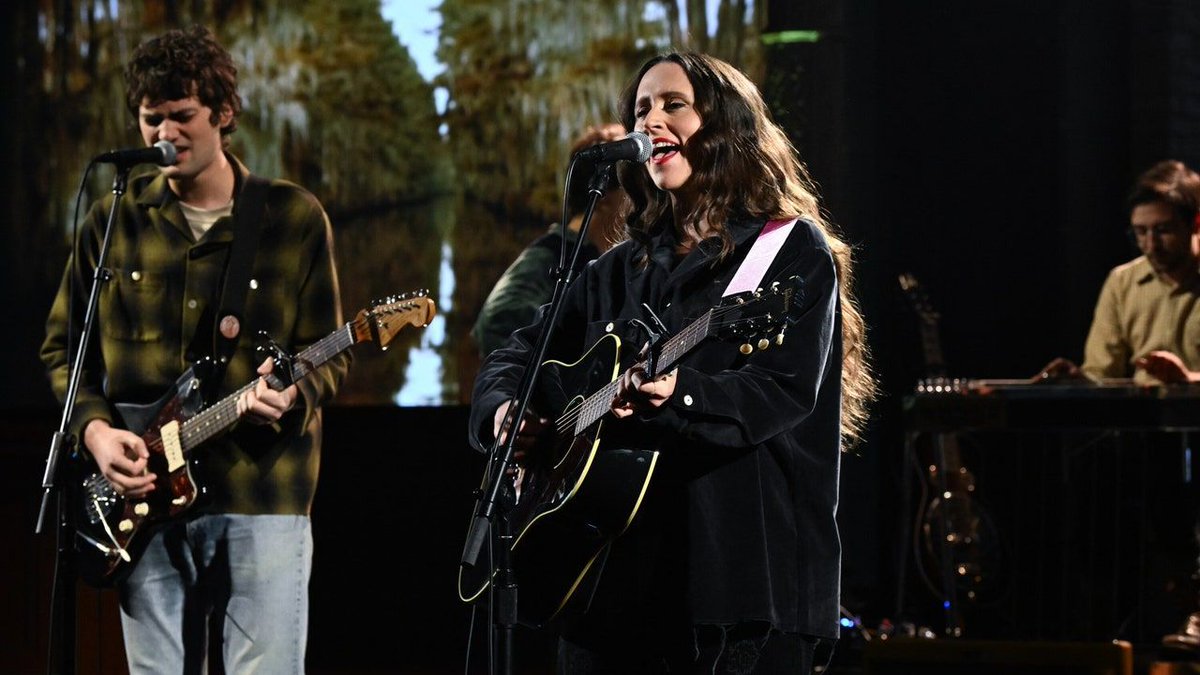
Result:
[919,300]
[931,342]
[384,318]
[758,318]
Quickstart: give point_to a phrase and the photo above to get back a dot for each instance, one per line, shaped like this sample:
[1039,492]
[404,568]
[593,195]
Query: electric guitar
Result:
[112,531]
[957,547]
[577,495]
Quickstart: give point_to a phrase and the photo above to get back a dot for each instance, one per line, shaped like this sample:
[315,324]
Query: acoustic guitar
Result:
[582,494]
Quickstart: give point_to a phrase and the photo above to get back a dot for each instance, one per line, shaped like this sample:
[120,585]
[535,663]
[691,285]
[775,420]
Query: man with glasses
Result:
[1147,320]
[1147,327]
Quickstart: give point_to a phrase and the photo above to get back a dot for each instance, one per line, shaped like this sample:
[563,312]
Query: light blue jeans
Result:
[237,579]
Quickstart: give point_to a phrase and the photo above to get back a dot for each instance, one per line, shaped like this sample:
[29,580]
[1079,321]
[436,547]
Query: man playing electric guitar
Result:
[240,562]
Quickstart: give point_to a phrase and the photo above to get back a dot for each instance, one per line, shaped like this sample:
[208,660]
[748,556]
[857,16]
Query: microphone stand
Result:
[496,498]
[61,653]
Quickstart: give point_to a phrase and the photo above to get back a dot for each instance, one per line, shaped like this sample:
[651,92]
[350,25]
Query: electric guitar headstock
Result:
[380,322]
[931,342]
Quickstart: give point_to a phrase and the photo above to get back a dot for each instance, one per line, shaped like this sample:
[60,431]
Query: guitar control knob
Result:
[142,509]
[763,343]
[746,349]
[779,339]
[125,526]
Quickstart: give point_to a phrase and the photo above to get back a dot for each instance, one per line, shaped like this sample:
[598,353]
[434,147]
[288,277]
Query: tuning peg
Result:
[746,349]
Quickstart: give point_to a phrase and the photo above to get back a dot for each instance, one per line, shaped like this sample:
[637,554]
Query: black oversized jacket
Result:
[750,444]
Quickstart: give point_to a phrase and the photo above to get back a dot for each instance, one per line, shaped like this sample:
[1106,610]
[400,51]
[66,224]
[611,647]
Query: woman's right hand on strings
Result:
[121,456]
[528,430]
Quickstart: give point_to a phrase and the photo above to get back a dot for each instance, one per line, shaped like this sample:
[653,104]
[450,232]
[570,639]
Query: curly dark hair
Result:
[183,63]
[743,165]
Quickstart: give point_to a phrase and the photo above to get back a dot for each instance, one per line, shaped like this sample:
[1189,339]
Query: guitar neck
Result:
[951,461]
[222,414]
[931,348]
[599,403]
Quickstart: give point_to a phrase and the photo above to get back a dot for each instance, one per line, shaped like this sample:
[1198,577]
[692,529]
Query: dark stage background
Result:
[985,147]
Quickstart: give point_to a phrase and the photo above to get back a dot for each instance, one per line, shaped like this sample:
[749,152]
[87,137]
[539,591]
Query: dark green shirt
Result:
[155,318]
[526,285]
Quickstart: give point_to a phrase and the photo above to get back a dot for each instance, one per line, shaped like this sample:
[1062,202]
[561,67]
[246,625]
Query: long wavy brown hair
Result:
[744,165]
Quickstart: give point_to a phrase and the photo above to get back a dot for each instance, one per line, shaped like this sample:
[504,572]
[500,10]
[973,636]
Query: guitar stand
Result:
[947,584]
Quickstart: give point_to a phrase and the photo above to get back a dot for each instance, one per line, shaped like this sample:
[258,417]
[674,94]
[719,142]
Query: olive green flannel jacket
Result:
[155,318]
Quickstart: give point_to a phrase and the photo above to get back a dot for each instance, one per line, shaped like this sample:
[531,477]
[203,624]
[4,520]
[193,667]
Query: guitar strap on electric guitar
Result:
[249,214]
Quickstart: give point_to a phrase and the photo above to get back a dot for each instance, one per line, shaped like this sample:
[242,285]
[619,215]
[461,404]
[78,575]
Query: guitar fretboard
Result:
[222,414]
[595,406]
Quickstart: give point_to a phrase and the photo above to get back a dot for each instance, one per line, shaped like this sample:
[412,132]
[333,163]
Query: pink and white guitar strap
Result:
[762,253]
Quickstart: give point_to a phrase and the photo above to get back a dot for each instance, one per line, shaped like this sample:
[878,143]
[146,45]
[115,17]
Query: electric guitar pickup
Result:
[112,531]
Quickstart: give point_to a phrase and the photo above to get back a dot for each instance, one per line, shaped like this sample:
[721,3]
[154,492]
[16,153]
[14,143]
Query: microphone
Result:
[161,153]
[635,147]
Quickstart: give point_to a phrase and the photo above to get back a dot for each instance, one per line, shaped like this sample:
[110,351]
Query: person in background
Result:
[529,281]
[230,577]
[732,564]
[1147,320]
[1147,327]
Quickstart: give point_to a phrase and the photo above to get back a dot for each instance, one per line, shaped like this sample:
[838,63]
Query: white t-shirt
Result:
[200,220]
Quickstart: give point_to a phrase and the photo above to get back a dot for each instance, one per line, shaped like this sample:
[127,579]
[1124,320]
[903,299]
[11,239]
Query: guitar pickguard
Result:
[112,531]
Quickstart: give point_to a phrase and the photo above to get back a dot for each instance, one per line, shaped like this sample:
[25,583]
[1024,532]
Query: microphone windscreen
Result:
[645,146]
[169,154]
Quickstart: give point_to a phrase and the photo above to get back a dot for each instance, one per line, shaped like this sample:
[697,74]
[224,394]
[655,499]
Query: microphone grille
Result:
[645,146]
[169,154]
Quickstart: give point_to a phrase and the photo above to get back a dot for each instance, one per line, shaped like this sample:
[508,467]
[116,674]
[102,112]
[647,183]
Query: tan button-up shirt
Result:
[1139,312]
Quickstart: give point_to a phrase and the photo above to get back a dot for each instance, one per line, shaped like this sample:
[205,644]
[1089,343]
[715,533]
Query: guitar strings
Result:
[202,426]
[573,412]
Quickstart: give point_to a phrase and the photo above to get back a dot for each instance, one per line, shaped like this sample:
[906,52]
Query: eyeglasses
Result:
[1159,231]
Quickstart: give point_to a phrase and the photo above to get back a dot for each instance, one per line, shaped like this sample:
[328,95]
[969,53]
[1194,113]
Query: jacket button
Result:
[136,275]
[609,327]
[687,399]
[192,304]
